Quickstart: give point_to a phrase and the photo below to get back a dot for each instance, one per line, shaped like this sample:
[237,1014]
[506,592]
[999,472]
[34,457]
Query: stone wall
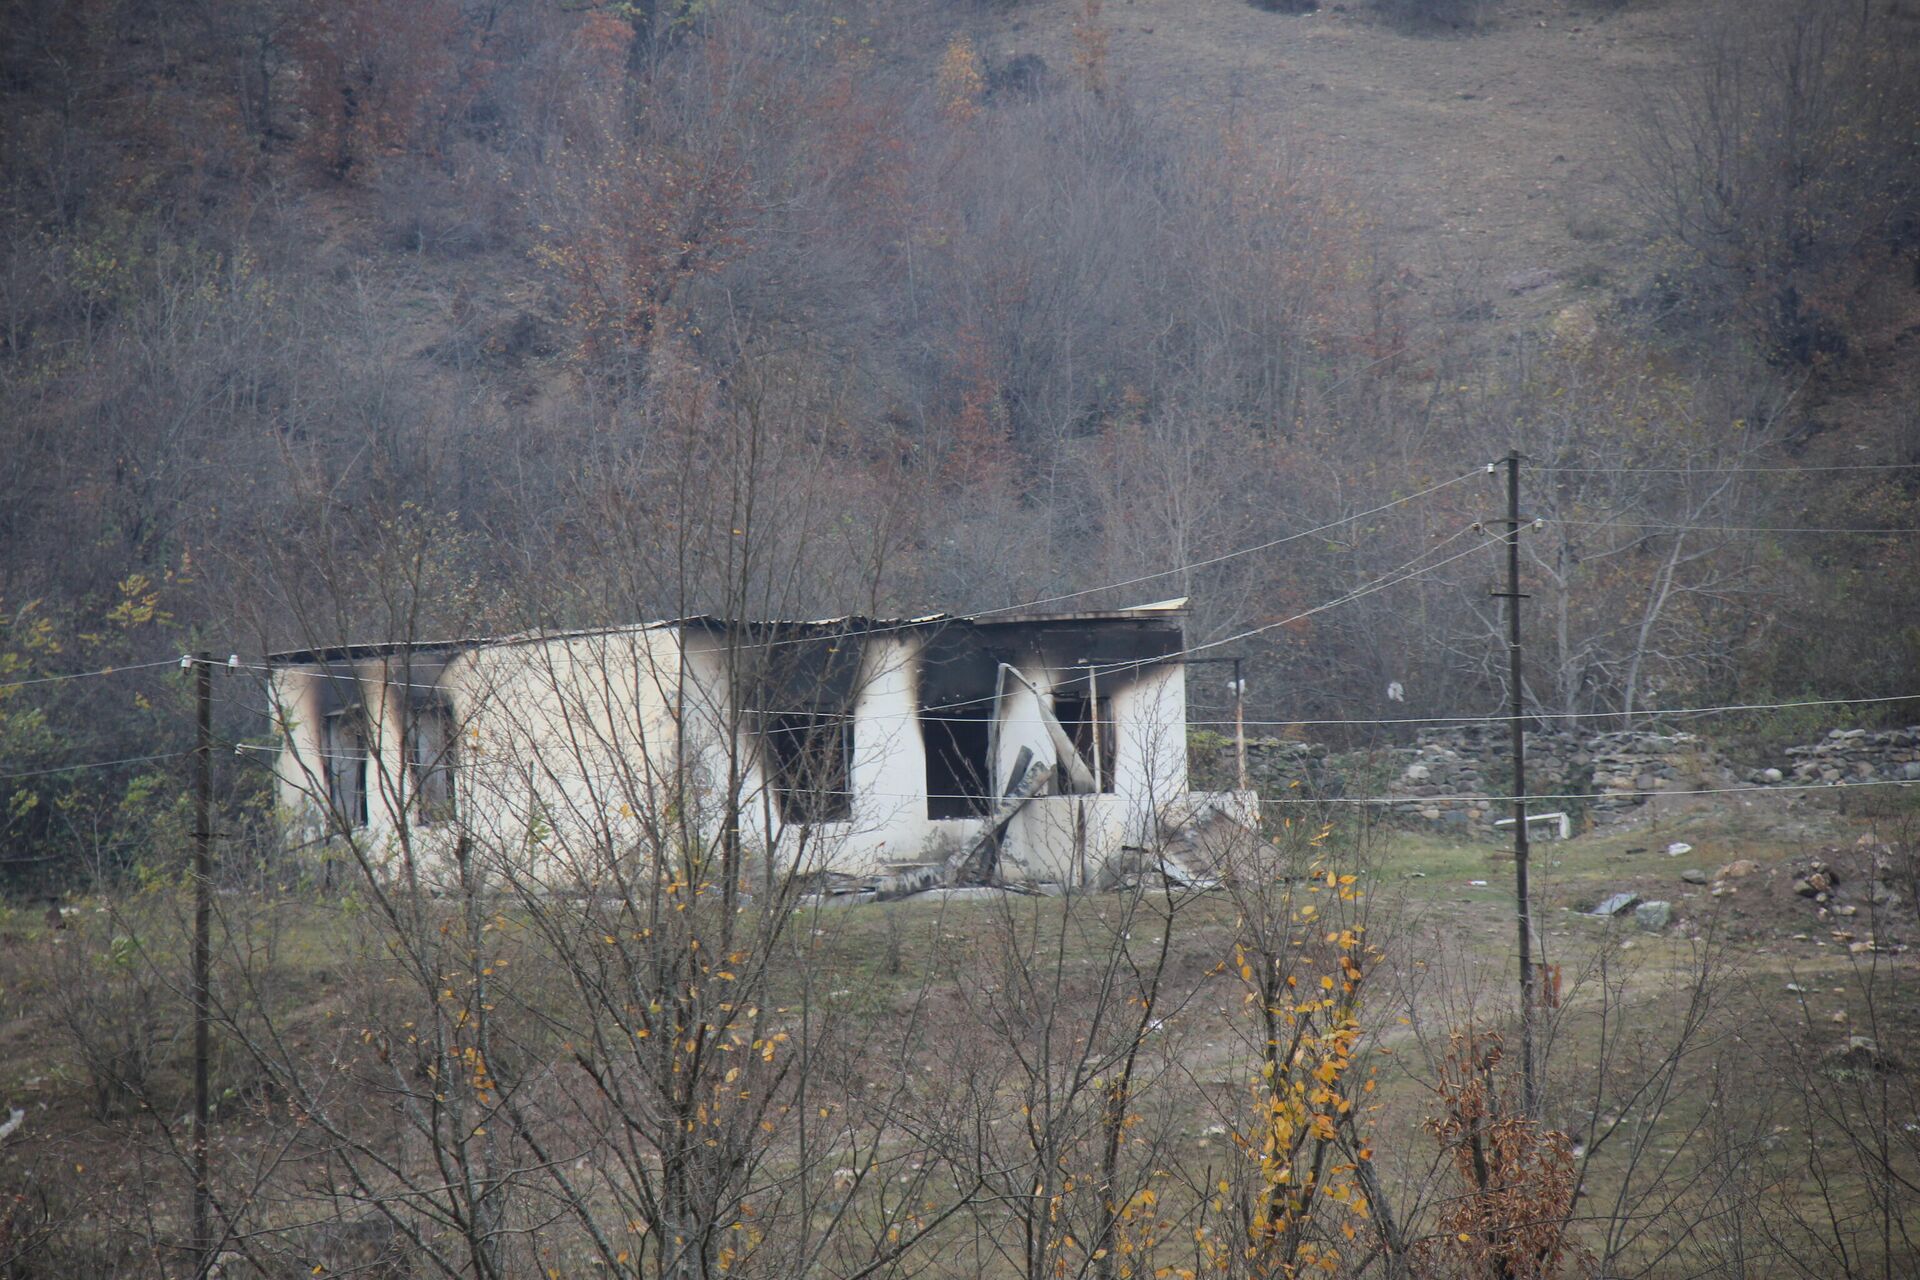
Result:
[1456,777]
[1852,755]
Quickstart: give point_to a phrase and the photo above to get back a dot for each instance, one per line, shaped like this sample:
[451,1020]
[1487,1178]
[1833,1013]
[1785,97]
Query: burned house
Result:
[1036,747]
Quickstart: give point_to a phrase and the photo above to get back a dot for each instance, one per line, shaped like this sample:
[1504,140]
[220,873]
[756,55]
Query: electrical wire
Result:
[1425,801]
[590,776]
[1719,528]
[1024,605]
[82,675]
[1500,717]
[1404,573]
[1654,714]
[1228,555]
[96,764]
[1852,466]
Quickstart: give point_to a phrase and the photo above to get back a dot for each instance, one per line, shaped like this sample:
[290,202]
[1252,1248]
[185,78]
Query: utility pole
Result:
[1530,1083]
[1240,725]
[1239,714]
[202,959]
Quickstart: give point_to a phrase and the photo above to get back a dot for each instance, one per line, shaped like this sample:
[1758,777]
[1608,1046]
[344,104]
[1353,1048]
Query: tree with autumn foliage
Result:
[1516,1179]
[1304,1193]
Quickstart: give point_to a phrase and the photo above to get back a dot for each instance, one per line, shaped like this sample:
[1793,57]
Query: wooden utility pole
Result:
[202,959]
[1516,701]
[1240,725]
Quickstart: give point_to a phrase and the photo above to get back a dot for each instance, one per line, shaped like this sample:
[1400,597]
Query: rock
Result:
[1527,281]
[1653,916]
[1772,775]
[1616,904]
[1736,870]
[1839,1016]
[1417,773]
[1678,847]
[1813,885]
[1694,875]
[1881,894]
[1860,1053]
[1848,910]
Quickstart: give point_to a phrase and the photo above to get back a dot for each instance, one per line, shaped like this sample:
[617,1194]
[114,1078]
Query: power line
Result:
[1229,555]
[96,764]
[1422,801]
[1653,714]
[593,775]
[1357,723]
[1853,466]
[1720,528]
[1404,573]
[82,675]
[998,610]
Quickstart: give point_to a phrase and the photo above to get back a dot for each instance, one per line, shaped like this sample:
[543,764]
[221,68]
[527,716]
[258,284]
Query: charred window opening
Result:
[343,750]
[1089,723]
[431,745]
[799,684]
[959,674]
[812,766]
[959,779]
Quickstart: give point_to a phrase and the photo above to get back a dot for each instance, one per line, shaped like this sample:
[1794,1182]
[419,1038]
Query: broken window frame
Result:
[345,749]
[433,753]
[956,788]
[1070,709]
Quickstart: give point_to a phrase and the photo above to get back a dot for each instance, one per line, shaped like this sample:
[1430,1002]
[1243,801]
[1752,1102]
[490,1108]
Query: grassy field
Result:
[1685,1064]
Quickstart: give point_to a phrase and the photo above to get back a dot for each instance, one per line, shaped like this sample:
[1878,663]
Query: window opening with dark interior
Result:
[432,747]
[959,784]
[1088,722]
[812,766]
[344,753]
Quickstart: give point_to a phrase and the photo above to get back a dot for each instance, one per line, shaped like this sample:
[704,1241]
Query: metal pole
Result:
[1515,702]
[202,960]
